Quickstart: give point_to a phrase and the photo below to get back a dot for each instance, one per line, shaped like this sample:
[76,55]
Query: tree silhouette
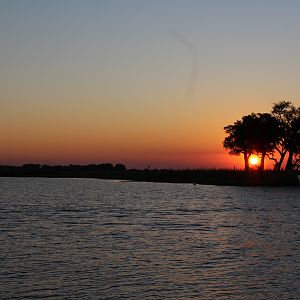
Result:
[119,167]
[265,136]
[288,117]
[294,146]
[255,133]
[237,141]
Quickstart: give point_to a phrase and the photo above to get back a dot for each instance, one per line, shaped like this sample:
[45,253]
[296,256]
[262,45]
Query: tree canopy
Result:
[289,140]
[272,135]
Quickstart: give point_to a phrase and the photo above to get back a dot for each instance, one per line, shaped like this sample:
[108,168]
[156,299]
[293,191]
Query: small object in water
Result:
[194,183]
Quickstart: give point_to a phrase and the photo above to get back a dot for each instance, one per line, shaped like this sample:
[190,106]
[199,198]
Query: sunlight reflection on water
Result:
[86,238]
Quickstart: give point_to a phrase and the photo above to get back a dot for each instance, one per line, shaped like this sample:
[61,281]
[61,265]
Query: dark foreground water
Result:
[95,239]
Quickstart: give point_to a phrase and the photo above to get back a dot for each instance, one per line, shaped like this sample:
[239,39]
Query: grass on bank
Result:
[195,176]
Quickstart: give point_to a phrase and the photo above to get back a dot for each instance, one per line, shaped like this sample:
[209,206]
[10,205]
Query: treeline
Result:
[120,172]
[39,170]
[274,135]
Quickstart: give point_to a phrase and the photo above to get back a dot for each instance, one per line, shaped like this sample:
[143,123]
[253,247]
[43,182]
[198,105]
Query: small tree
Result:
[120,167]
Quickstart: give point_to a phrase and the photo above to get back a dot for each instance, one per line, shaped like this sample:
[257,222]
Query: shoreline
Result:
[237,184]
[218,177]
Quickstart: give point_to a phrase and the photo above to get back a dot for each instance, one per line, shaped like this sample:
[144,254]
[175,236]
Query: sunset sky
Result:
[138,81]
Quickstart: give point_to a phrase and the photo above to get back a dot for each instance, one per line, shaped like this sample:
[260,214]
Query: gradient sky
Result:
[138,81]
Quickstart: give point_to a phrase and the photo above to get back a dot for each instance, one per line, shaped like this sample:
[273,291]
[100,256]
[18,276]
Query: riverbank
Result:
[119,171]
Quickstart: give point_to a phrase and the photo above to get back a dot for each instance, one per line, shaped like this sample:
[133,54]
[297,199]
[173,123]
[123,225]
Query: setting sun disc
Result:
[253,160]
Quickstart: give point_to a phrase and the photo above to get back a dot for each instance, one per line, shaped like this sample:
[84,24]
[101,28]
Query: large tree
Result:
[238,140]
[294,145]
[255,133]
[266,135]
[288,117]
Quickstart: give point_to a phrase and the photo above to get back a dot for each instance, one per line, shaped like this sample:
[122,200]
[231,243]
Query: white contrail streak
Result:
[194,61]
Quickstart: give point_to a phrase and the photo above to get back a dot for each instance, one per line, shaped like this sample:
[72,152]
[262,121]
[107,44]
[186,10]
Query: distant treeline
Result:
[120,172]
[39,170]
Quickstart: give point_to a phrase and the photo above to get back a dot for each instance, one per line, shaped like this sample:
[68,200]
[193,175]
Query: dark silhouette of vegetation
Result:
[275,135]
[120,172]
[237,141]
[267,135]
[289,118]
[120,167]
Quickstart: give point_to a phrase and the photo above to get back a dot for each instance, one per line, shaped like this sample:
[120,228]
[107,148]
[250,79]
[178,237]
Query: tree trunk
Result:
[262,162]
[246,159]
[289,163]
[279,164]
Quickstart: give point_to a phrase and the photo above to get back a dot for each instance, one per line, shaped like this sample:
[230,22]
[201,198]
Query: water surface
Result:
[97,239]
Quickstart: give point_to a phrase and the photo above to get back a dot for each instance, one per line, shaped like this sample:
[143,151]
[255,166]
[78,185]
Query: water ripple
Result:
[94,239]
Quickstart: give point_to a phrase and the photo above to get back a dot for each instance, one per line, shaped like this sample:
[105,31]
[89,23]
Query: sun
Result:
[253,160]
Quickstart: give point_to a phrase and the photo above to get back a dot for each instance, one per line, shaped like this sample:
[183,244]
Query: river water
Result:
[102,239]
